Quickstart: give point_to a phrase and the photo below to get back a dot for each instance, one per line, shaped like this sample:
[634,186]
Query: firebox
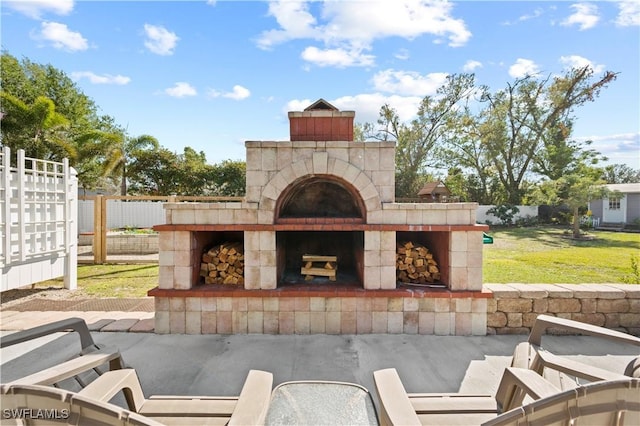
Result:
[320,196]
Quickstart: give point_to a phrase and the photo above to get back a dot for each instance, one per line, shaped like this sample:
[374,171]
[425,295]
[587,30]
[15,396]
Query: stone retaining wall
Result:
[126,243]
[514,307]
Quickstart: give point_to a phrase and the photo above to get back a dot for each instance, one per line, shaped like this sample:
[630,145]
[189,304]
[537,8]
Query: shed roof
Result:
[431,188]
[626,188]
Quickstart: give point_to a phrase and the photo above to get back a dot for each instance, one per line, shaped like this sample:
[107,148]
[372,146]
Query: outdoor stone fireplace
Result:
[325,194]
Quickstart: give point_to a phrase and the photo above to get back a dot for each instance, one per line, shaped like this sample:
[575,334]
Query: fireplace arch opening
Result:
[320,197]
[324,210]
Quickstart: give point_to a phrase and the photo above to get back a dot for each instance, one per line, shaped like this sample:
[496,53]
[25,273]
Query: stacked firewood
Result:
[415,264]
[223,264]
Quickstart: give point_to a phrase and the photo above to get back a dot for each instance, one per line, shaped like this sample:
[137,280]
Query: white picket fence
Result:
[38,221]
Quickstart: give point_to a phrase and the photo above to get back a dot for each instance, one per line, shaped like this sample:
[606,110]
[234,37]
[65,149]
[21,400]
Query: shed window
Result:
[614,203]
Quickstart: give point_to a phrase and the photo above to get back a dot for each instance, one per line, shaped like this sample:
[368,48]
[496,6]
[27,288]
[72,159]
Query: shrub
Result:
[504,212]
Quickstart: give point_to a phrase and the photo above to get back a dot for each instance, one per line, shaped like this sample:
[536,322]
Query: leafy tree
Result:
[620,173]
[574,190]
[29,83]
[463,148]
[527,117]
[416,140]
[560,154]
[194,174]
[154,172]
[520,131]
[229,178]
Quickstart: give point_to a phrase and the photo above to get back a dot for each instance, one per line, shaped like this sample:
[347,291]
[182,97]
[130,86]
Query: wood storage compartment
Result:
[429,254]
[415,264]
[221,254]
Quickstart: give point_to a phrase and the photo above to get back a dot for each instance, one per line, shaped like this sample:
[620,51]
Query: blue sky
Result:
[213,74]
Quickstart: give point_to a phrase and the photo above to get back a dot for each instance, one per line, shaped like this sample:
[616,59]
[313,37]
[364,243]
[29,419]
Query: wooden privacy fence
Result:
[104,204]
[38,221]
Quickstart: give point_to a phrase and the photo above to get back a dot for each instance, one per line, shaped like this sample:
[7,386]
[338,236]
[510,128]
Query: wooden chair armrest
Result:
[253,402]
[395,406]
[545,359]
[516,383]
[111,383]
[544,322]
[73,367]
[74,324]
[521,355]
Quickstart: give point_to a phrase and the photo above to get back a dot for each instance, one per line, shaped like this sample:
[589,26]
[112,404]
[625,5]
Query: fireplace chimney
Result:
[321,121]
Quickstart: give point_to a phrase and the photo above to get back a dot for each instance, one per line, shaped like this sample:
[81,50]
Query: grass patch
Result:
[111,280]
[542,255]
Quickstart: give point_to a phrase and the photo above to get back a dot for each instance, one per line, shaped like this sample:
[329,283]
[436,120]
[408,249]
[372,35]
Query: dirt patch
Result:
[10,298]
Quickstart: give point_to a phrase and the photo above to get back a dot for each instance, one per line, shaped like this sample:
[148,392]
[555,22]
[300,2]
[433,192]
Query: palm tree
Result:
[37,128]
[120,150]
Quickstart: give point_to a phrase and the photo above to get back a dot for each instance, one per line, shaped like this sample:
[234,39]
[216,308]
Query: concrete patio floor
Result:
[218,364]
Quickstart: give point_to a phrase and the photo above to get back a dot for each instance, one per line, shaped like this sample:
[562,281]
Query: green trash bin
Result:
[486,238]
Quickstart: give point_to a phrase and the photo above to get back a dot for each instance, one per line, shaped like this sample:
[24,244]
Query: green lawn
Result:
[111,280]
[542,255]
[523,255]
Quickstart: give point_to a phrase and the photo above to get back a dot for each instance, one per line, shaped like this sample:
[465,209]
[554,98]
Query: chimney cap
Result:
[321,104]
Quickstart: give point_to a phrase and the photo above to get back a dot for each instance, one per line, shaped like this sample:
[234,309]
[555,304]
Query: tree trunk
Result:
[123,184]
[576,223]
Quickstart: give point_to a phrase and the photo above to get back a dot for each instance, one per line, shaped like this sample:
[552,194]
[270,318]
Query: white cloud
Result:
[629,14]
[471,65]
[403,18]
[408,82]
[536,14]
[160,40]
[181,90]
[294,19]
[61,37]
[36,8]
[575,61]
[339,57]
[585,16]
[347,26]
[100,79]
[238,93]
[211,2]
[523,68]
[619,148]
